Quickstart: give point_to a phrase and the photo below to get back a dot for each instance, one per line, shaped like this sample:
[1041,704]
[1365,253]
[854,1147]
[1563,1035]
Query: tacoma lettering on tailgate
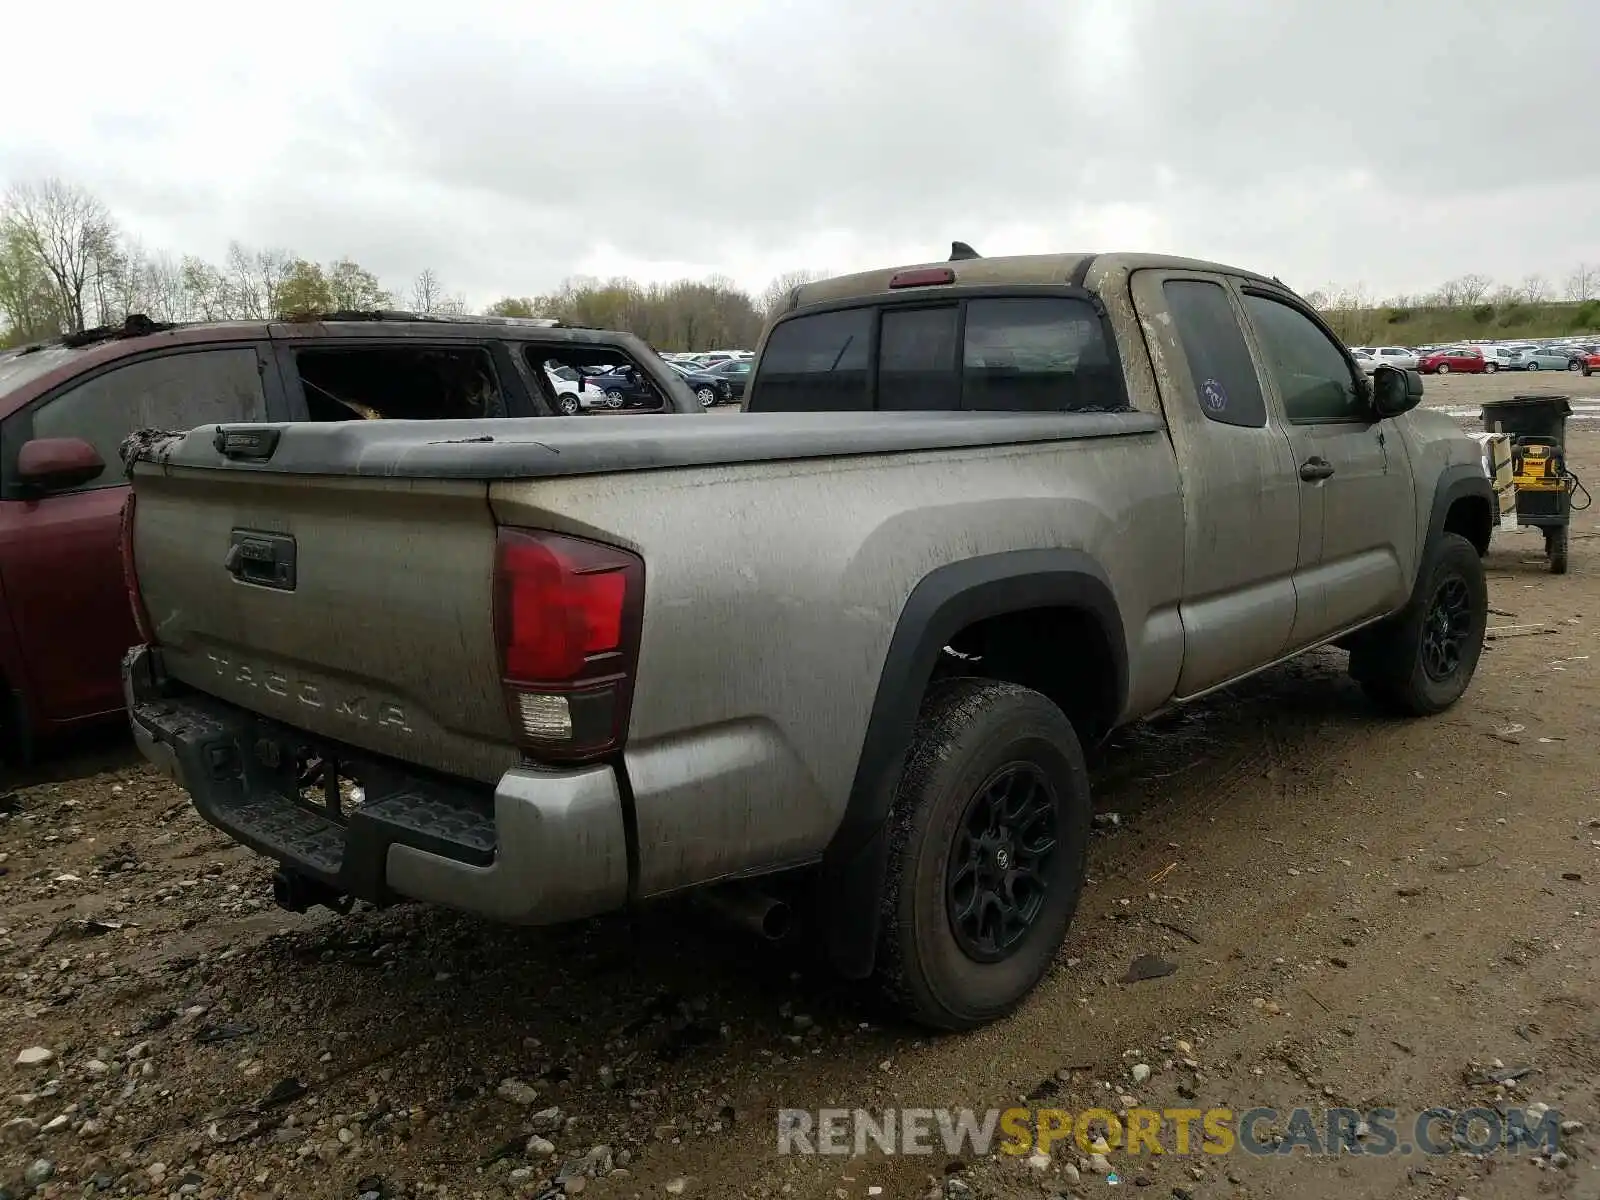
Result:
[352,706]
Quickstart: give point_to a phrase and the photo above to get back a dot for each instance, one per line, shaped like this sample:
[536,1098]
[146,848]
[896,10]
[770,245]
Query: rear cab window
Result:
[1023,353]
[817,363]
[917,361]
[1039,354]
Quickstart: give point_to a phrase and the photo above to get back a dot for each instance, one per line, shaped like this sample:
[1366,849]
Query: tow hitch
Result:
[297,893]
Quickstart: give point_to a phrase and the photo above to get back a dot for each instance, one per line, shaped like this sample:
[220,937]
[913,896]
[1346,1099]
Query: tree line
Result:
[1469,306]
[65,266]
[709,314]
[1580,285]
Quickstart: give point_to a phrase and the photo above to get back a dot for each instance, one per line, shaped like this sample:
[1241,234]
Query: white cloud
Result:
[508,145]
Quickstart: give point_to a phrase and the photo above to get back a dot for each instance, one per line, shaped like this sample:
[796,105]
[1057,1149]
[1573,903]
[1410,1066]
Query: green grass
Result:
[1421,326]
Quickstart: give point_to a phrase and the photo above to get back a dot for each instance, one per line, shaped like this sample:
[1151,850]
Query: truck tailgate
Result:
[358,608]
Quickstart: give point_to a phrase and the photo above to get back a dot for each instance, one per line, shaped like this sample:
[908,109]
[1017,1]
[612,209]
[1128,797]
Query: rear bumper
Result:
[537,848]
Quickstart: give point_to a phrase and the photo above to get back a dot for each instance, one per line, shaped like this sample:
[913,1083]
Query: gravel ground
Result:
[1360,912]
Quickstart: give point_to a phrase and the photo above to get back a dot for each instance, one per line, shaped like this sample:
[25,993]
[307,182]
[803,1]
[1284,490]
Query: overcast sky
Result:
[508,145]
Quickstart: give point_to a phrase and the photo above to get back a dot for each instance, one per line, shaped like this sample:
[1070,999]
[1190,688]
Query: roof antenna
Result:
[959,251]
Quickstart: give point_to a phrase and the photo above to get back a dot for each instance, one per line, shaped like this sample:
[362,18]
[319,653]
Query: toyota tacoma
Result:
[979,514]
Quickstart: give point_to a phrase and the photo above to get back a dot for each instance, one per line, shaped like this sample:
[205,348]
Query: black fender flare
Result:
[1456,482]
[947,600]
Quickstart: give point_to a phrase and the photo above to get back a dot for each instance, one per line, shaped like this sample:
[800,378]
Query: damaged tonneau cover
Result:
[513,448]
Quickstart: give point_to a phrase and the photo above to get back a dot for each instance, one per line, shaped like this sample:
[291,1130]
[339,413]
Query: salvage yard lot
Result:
[1359,910]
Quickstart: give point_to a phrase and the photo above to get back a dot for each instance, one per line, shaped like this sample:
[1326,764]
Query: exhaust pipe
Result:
[746,908]
[296,893]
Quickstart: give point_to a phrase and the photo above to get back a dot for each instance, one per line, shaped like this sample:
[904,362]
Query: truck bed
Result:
[778,554]
[556,446]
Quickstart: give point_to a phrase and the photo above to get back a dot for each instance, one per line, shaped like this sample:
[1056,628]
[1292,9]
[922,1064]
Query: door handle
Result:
[1314,469]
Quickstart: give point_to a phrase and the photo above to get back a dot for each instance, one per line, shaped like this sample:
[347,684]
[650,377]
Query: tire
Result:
[1587,371]
[1412,665]
[1574,364]
[1533,366]
[706,395]
[1442,369]
[568,404]
[1490,368]
[1555,548]
[980,745]
[615,399]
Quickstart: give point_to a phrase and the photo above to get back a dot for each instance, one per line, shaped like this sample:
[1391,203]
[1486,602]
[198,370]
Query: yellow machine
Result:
[1541,485]
[1536,467]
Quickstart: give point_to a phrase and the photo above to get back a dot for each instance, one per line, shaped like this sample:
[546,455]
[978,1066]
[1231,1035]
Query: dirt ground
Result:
[1362,912]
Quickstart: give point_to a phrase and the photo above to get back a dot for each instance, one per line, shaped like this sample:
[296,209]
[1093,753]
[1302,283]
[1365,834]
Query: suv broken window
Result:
[399,383]
[603,371]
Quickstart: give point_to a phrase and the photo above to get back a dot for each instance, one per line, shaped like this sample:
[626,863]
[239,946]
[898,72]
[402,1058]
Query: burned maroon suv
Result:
[67,405]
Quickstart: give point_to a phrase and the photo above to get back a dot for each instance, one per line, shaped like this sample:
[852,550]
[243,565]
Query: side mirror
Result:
[54,463]
[1395,391]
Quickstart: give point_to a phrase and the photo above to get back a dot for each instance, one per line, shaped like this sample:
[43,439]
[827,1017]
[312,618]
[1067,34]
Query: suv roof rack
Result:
[395,314]
[134,325]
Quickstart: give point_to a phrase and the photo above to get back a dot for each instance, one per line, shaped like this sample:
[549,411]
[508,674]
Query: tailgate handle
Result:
[253,442]
[264,559]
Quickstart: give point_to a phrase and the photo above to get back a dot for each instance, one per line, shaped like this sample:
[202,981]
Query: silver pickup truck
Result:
[851,643]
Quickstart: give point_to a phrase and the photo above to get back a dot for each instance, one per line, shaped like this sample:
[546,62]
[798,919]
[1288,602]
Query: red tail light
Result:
[567,614]
[130,577]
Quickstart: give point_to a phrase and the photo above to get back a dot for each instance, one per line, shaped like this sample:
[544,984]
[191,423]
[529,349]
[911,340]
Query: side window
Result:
[173,392]
[594,379]
[817,363]
[1312,375]
[1225,380]
[398,382]
[917,360]
[1038,354]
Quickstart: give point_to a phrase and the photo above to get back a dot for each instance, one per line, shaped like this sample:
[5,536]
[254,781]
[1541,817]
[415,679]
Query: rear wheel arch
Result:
[994,605]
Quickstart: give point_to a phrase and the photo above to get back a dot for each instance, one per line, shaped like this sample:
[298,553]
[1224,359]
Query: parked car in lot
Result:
[625,386]
[1537,358]
[1579,354]
[1590,363]
[708,387]
[734,374]
[1463,359]
[983,517]
[1500,358]
[572,396]
[67,405]
[1393,356]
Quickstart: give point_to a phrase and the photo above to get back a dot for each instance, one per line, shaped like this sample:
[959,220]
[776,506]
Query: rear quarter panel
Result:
[771,594]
